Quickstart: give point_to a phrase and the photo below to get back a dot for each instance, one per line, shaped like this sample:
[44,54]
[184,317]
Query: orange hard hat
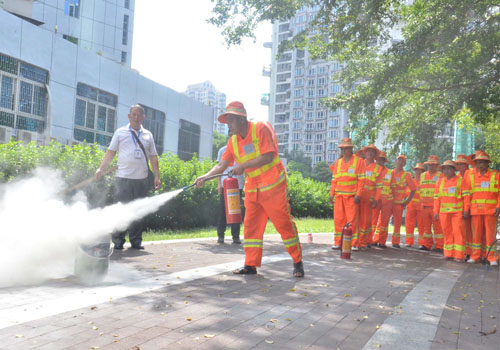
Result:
[433,159]
[447,163]
[345,142]
[234,108]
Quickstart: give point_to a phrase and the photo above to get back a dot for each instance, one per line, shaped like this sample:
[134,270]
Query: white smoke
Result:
[39,233]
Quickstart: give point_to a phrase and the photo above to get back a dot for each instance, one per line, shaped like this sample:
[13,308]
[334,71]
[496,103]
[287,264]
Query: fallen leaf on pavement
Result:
[269,341]
[19,335]
[209,335]
[93,308]
[273,320]
[347,295]
[493,331]
[292,290]
[188,318]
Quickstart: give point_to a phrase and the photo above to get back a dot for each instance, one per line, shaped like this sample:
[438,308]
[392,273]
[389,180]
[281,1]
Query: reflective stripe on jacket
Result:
[348,179]
[427,186]
[449,195]
[484,192]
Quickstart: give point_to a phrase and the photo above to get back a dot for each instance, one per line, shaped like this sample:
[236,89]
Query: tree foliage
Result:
[444,62]
[218,140]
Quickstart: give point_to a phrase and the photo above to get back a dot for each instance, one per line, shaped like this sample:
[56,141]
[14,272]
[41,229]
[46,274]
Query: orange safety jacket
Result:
[449,195]
[402,180]
[385,188]
[427,186]
[416,201]
[372,180]
[348,178]
[484,192]
[266,176]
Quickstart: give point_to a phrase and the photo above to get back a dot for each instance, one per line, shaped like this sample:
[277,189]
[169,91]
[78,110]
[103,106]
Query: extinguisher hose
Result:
[230,173]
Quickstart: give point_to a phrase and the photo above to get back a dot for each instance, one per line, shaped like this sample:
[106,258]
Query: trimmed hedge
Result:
[191,208]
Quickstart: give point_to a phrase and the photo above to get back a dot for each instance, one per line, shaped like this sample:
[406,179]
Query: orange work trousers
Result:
[344,211]
[414,218]
[468,236]
[484,228]
[453,225]
[383,222]
[375,216]
[397,214]
[365,222]
[260,206]
[429,224]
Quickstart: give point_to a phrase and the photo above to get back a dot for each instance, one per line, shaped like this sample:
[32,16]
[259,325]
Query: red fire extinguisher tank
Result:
[346,240]
[232,200]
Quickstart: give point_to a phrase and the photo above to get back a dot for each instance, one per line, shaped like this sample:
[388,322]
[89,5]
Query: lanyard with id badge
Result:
[137,152]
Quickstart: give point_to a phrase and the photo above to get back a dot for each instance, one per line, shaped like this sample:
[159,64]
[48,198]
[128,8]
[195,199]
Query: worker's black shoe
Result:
[298,269]
[220,240]
[246,270]
[118,247]
[423,247]
[236,241]
[137,247]
[396,246]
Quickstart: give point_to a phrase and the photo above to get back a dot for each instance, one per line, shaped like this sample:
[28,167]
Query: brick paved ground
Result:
[339,304]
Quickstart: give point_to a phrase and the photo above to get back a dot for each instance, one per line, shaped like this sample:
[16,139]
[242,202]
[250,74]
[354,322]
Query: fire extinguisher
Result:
[232,200]
[346,240]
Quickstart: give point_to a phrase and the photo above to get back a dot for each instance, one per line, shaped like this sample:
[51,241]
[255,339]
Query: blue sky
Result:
[175,46]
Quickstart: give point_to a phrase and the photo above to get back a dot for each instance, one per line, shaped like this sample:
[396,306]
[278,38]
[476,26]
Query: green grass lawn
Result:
[304,225]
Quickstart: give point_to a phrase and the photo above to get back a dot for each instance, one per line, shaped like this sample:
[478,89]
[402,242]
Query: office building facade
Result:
[207,94]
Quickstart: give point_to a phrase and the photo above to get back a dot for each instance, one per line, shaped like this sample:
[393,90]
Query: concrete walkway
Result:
[182,296]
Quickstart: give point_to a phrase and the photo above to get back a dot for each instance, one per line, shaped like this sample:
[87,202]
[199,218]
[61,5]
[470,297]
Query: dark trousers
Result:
[126,190]
[221,220]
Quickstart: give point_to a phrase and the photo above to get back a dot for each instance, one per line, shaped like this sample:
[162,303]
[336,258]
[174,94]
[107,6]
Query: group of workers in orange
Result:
[454,207]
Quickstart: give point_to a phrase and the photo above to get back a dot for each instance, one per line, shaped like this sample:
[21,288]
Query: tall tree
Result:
[218,140]
[445,67]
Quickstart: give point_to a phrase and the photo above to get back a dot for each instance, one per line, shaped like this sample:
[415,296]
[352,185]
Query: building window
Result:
[310,115]
[23,96]
[95,115]
[319,148]
[298,92]
[298,82]
[296,147]
[310,82]
[310,93]
[309,137]
[321,93]
[311,71]
[320,137]
[72,8]
[189,140]
[297,114]
[335,88]
[155,122]
[297,126]
[297,103]
[299,71]
[125,30]
[71,39]
[322,70]
[320,114]
[309,126]
[318,159]
[296,136]
[127,4]
[321,81]
[333,134]
[320,126]
[309,148]
[124,56]
[310,104]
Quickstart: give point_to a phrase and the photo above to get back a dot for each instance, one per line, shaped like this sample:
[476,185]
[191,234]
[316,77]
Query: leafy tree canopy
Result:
[444,65]
[218,141]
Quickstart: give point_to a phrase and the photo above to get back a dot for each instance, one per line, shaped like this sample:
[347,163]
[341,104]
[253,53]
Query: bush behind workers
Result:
[254,148]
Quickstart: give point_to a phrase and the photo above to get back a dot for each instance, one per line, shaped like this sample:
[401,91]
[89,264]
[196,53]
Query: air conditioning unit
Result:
[5,134]
[26,136]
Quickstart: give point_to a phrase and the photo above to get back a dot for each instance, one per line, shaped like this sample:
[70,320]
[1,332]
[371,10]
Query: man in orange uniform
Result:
[428,182]
[383,212]
[369,195]
[254,148]
[484,208]
[462,165]
[348,174]
[402,180]
[449,209]
[414,211]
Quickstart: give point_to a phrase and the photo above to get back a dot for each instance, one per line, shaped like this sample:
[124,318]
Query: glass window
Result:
[80,112]
[9,64]
[125,30]
[34,73]
[25,97]
[72,8]
[124,57]
[155,122]
[127,4]
[189,140]
[7,93]
[90,116]
[101,118]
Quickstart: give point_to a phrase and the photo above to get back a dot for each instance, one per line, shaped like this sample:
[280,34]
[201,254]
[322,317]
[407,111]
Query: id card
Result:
[435,178]
[485,184]
[138,154]
[368,173]
[387,176]
[452,189]
[350,171]
[249,148]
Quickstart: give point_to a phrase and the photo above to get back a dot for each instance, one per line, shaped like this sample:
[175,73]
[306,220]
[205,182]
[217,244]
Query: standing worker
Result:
[383,212]
[449,210]
[484,208]
[402,180]
[462,165]
[428,182]
[254,148]
[221,216]
[369,195]
[348,174]
[414,211]
[135,146]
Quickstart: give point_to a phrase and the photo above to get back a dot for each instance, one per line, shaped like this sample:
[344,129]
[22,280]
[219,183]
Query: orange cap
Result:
[235,108]
[402,156]
[447,163]
[482,156]
[432,160]
[382,154]
[345,142]
[419,166]
[373,147]
[461,158]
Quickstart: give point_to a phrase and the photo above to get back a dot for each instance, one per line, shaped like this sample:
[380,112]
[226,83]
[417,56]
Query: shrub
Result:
[196,207]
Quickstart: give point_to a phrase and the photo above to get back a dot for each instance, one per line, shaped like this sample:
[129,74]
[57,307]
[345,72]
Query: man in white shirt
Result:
[132,173]
[221,215]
